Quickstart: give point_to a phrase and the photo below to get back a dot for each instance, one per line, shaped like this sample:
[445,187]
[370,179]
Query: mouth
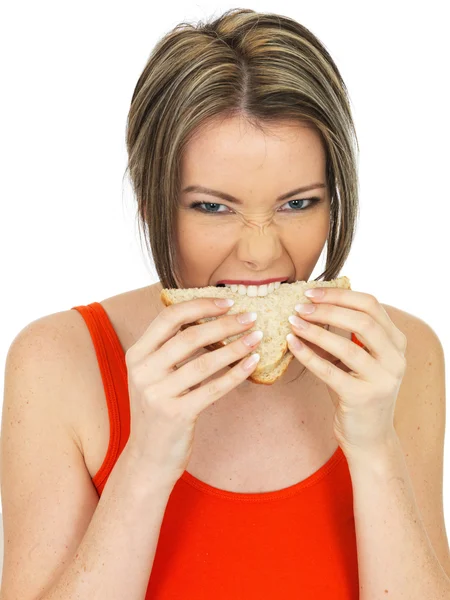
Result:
[253,290]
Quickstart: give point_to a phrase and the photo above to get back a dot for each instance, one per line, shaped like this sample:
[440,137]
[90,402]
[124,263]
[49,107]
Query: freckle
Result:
[418,428]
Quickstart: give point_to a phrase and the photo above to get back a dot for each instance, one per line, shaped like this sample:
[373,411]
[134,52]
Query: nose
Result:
[259,243]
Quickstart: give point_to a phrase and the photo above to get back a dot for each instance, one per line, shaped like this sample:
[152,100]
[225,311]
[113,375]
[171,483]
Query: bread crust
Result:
[261,378]
[267,375]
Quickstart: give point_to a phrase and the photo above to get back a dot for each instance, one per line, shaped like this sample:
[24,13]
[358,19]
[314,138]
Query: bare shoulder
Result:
[55,342]
[64,342]
[423,348]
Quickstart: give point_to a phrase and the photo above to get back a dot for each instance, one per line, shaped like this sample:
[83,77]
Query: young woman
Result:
[137,465]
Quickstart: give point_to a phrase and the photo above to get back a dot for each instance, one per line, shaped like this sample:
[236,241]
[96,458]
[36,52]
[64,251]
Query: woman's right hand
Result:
[165,401]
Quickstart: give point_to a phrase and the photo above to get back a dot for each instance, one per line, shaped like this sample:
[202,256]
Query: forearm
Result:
[115,557]
[395,557]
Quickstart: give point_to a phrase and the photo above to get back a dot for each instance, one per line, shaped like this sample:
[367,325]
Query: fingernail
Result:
[247,317]
[314,293]
[223,302]
[250,362]
[305,309]
[253,338]
[297,322]
[294,342]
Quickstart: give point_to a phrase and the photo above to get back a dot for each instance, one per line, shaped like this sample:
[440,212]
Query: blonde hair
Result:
[262,66]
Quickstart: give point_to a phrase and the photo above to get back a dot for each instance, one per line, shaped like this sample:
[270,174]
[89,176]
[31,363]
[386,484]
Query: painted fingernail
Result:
[305,309]
[297,322]
[248,317]
[314,293]
[294,342]
[253,338]
[223,302]
[251,361]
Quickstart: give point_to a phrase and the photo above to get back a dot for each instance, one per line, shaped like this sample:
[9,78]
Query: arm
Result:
[60,539]
[395,557]
[115,557]
[398,494]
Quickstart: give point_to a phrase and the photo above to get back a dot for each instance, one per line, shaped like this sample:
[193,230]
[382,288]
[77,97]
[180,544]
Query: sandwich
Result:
[272,312]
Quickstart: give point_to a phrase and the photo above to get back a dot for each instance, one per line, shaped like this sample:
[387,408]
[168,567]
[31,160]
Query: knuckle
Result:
[167,314]
[372,301]
[320,334]
[202,363]
[402,366]
[189,336]
[353,351]
[390,385]
[328,369]
[366,323]
[130,357]
[238,348]
[404,341]
[150,393]
[139,377]
[213,388]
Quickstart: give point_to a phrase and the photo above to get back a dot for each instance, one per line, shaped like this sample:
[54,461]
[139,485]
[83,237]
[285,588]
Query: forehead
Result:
[235,145]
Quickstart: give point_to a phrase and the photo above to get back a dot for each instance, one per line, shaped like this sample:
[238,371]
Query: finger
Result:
[349,353]
[193,339]
[210,391]
[206,365]
[369,331]
[333,376]
[365,303]
[168,322]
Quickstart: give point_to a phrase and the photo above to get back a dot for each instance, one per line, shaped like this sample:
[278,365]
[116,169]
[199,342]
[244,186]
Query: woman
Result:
[145,466]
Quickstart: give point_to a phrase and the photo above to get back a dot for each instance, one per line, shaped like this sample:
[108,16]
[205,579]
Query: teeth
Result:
[254,290]
[262,290]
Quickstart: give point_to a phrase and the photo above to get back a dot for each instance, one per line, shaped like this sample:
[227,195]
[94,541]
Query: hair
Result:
[264,67]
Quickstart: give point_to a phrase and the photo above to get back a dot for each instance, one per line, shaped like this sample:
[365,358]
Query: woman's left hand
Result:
[365,393]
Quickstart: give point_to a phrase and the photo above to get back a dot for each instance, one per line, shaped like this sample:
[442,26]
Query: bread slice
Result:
[273,311]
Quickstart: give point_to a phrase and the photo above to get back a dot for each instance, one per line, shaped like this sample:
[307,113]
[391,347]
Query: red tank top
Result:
[297,542]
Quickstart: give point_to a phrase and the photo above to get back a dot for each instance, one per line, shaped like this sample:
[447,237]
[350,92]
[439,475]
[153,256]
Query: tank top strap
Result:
[113,369]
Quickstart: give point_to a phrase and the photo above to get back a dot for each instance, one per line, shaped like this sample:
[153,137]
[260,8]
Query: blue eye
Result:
[197,205]
[298,208]
[213,205]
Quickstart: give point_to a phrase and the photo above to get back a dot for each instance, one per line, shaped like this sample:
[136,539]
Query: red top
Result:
[297,542]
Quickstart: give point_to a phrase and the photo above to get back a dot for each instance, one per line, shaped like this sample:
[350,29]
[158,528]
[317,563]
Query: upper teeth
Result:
[254,290]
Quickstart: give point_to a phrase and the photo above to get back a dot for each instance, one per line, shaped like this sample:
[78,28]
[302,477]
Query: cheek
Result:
[201,246]
[305,244]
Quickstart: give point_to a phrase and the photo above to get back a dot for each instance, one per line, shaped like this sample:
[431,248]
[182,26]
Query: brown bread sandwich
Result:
[273,311]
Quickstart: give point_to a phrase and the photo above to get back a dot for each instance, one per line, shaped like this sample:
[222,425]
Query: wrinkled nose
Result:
[259,240]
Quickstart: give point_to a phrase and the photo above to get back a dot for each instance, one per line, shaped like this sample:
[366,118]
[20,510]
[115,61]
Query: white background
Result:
[67,225]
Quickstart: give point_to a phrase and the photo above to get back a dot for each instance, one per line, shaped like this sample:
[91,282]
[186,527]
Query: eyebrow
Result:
[229,198]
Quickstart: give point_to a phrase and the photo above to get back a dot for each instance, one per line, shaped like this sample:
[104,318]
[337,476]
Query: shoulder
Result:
[425,369]
[50,349]
[59,345]
[420,336]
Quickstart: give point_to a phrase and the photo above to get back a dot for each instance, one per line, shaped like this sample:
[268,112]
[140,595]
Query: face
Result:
[262,237]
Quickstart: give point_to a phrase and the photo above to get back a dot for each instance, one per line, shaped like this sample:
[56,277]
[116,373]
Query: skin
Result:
[234,157]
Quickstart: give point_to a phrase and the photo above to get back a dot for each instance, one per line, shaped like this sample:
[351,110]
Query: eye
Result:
[212,207]
[298,205]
